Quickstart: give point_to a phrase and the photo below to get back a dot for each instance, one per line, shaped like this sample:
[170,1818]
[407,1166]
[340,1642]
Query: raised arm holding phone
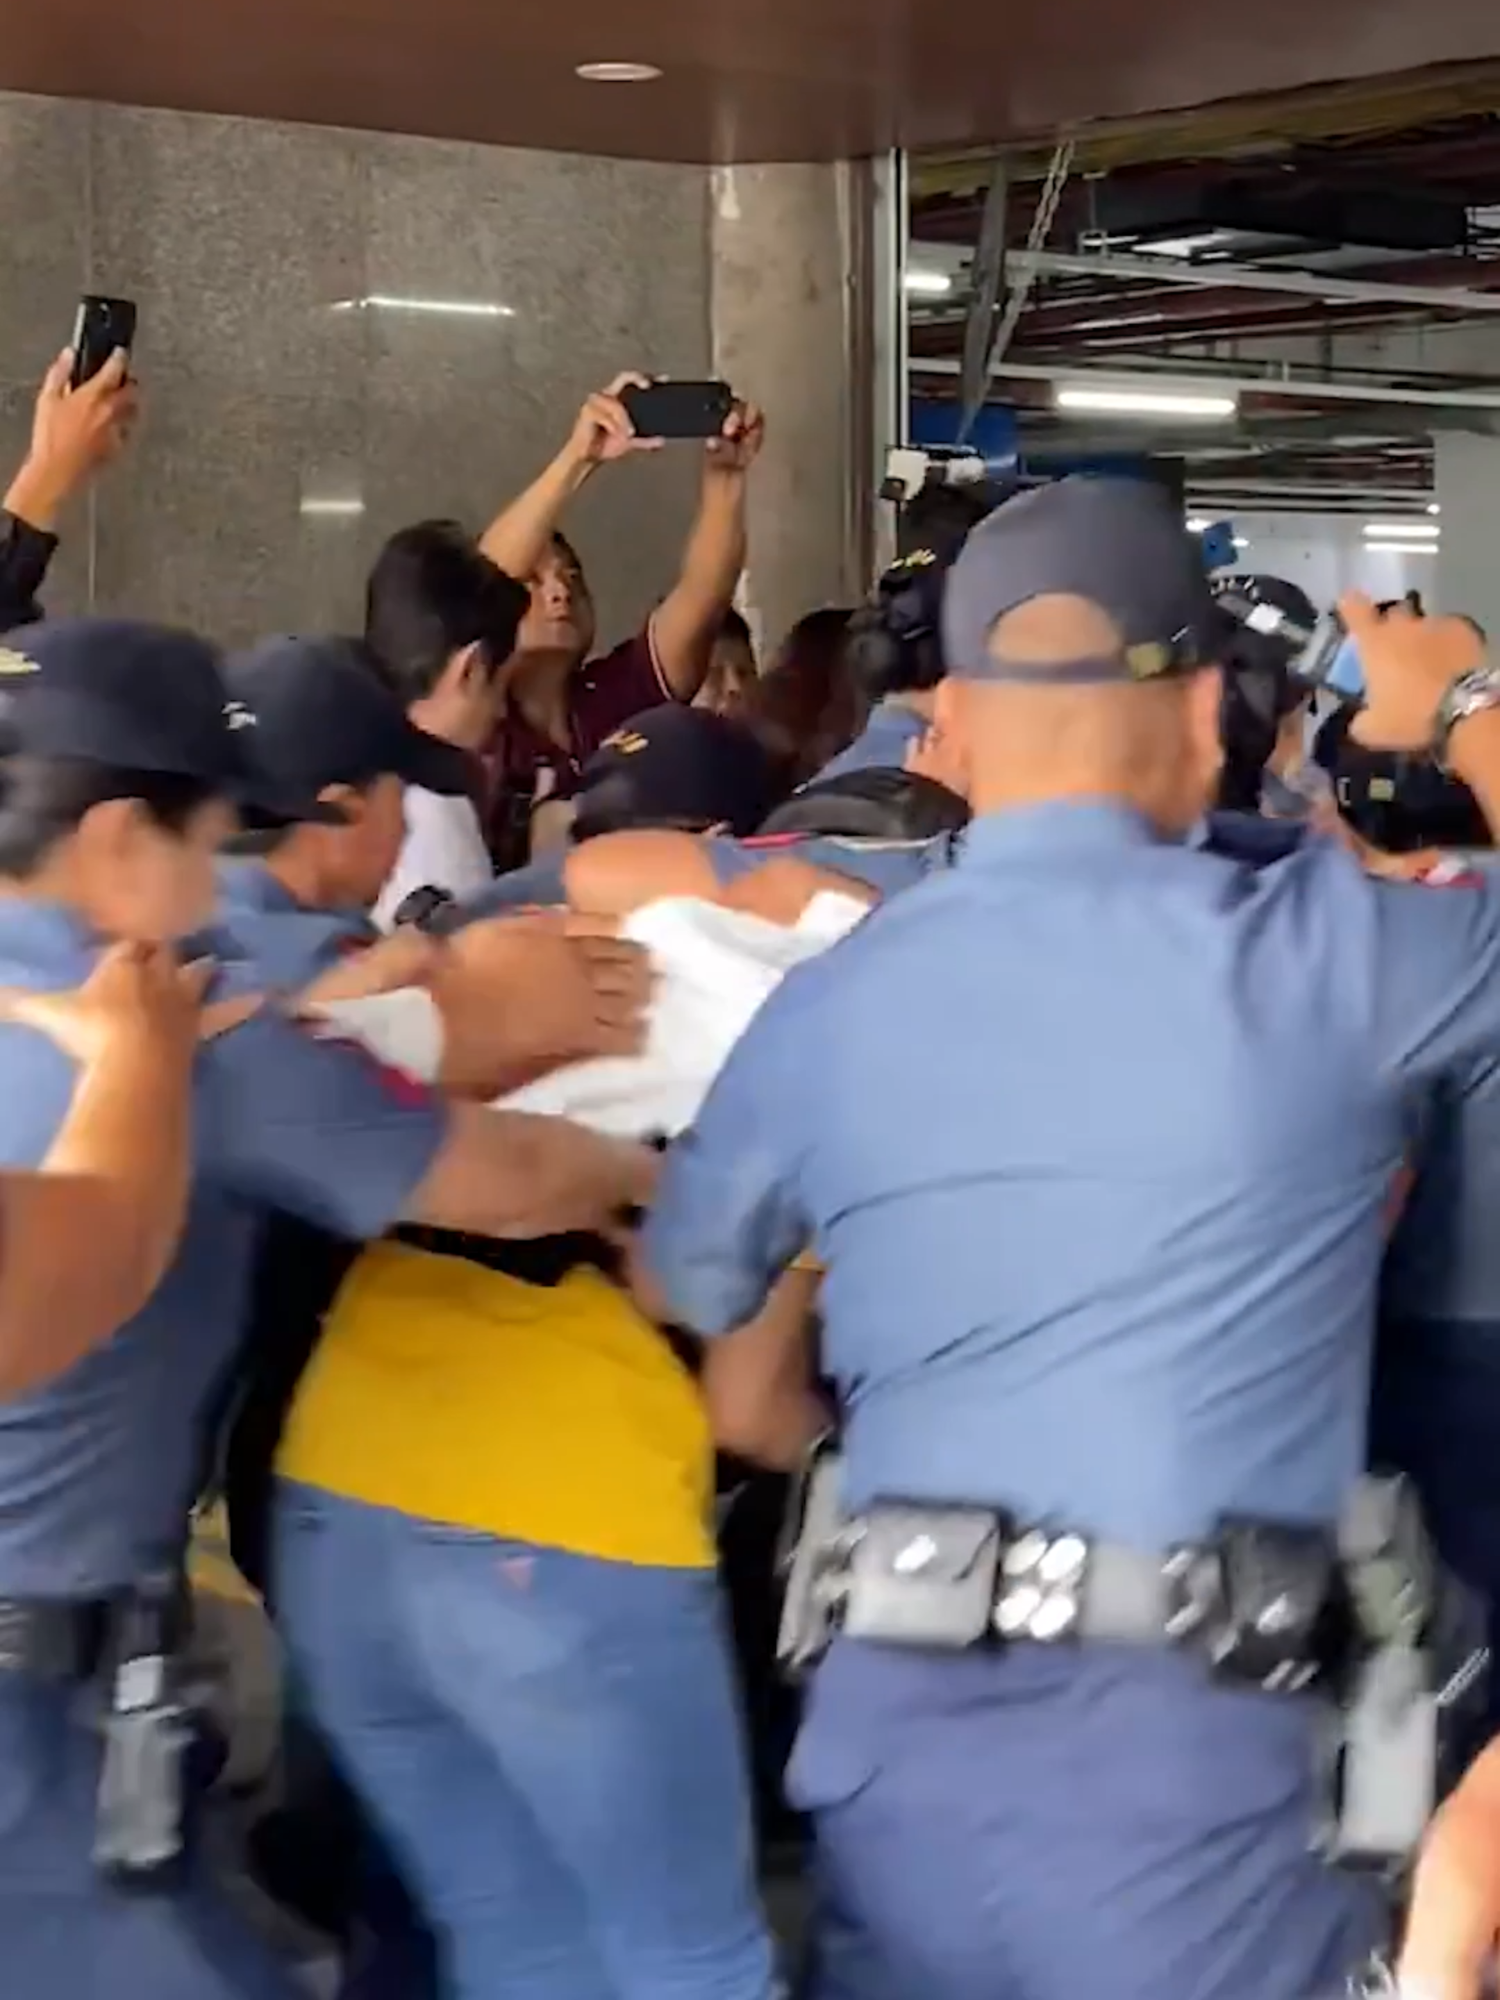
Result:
[76,432]
[562,702]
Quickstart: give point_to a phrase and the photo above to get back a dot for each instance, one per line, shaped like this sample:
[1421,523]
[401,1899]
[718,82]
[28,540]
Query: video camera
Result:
[1269,626]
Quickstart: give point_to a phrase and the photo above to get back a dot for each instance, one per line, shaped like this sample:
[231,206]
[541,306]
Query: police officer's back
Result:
[1101,1266]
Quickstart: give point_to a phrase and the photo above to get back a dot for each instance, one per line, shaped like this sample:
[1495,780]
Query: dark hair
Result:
[735,625]
[432,593]
[941,516]
[806,707]
[44,799]
[566,550]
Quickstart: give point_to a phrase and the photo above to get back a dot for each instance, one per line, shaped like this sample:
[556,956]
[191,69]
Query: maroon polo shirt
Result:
[527,768]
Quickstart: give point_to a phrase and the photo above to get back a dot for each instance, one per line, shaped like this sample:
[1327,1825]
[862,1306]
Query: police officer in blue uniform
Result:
[121,753]
[1100,1284]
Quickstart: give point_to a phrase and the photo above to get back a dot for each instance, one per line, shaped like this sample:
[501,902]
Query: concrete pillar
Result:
[794,275]
[1466,574]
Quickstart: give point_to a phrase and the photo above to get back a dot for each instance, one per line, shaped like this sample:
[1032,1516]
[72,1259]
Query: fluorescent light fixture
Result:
[618,72]
[1146,402]
[1402,548]
[1241,542]
[928,284]
[330,507]
[1433,507]
[1198,525]
[442,308]
[1394,531]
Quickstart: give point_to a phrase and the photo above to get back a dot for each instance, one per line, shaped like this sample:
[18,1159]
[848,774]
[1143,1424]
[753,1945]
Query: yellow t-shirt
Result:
[550,1414]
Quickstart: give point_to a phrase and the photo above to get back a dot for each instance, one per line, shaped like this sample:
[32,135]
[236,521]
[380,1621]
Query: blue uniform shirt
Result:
[99,1469]
[536,886]
[882,744]
[289,943]
[1093,1134]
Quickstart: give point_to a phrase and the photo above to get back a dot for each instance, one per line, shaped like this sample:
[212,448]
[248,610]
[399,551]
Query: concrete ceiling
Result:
[742,79]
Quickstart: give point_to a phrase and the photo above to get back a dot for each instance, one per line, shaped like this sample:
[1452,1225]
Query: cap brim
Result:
[262,807]
[434,766]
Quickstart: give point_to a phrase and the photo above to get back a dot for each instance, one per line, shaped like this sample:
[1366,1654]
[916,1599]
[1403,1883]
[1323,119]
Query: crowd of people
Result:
[487,1117]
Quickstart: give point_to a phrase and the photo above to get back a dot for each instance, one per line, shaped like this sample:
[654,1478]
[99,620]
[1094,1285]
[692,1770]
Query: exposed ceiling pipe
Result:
[1249,278]
[1245,385]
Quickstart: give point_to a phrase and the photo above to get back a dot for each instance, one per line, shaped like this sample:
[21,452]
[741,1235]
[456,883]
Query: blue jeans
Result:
[1039,1825]
[548,1742]
[63,1931]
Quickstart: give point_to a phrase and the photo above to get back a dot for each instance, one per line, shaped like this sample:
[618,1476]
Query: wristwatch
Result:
[1470,694]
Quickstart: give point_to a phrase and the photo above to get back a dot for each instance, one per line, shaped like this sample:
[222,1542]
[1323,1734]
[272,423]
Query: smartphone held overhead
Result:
[104,326]
[677,410]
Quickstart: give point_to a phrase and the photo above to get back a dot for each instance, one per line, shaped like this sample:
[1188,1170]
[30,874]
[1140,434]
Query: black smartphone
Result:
[102,327]
[678,409]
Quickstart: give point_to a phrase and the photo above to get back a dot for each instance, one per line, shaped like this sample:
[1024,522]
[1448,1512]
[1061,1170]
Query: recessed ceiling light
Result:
[1433,507]
[618,72]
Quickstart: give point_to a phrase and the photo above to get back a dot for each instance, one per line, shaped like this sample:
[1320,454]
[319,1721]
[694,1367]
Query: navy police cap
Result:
[1119,544]
[325,716]
[678,766]
[137,697]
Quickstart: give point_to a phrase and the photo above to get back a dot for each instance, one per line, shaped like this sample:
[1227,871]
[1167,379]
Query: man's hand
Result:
[408,957]
[738,447]
[1454,1919]
[604,431]
[135,996]
[1409,665]
[521,995]
[75,434]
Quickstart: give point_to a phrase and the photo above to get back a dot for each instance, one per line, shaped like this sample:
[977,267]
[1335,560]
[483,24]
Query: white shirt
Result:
[444,849]
[715,969]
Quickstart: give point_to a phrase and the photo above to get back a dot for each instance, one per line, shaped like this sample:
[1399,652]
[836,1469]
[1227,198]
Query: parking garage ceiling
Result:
[1330,259]
[740,79]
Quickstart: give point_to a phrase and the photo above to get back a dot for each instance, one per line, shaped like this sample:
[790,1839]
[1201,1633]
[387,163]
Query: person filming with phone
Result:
[563,700]
[80,426]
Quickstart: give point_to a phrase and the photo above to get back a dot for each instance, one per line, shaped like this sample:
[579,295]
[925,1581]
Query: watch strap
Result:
[1469,694]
